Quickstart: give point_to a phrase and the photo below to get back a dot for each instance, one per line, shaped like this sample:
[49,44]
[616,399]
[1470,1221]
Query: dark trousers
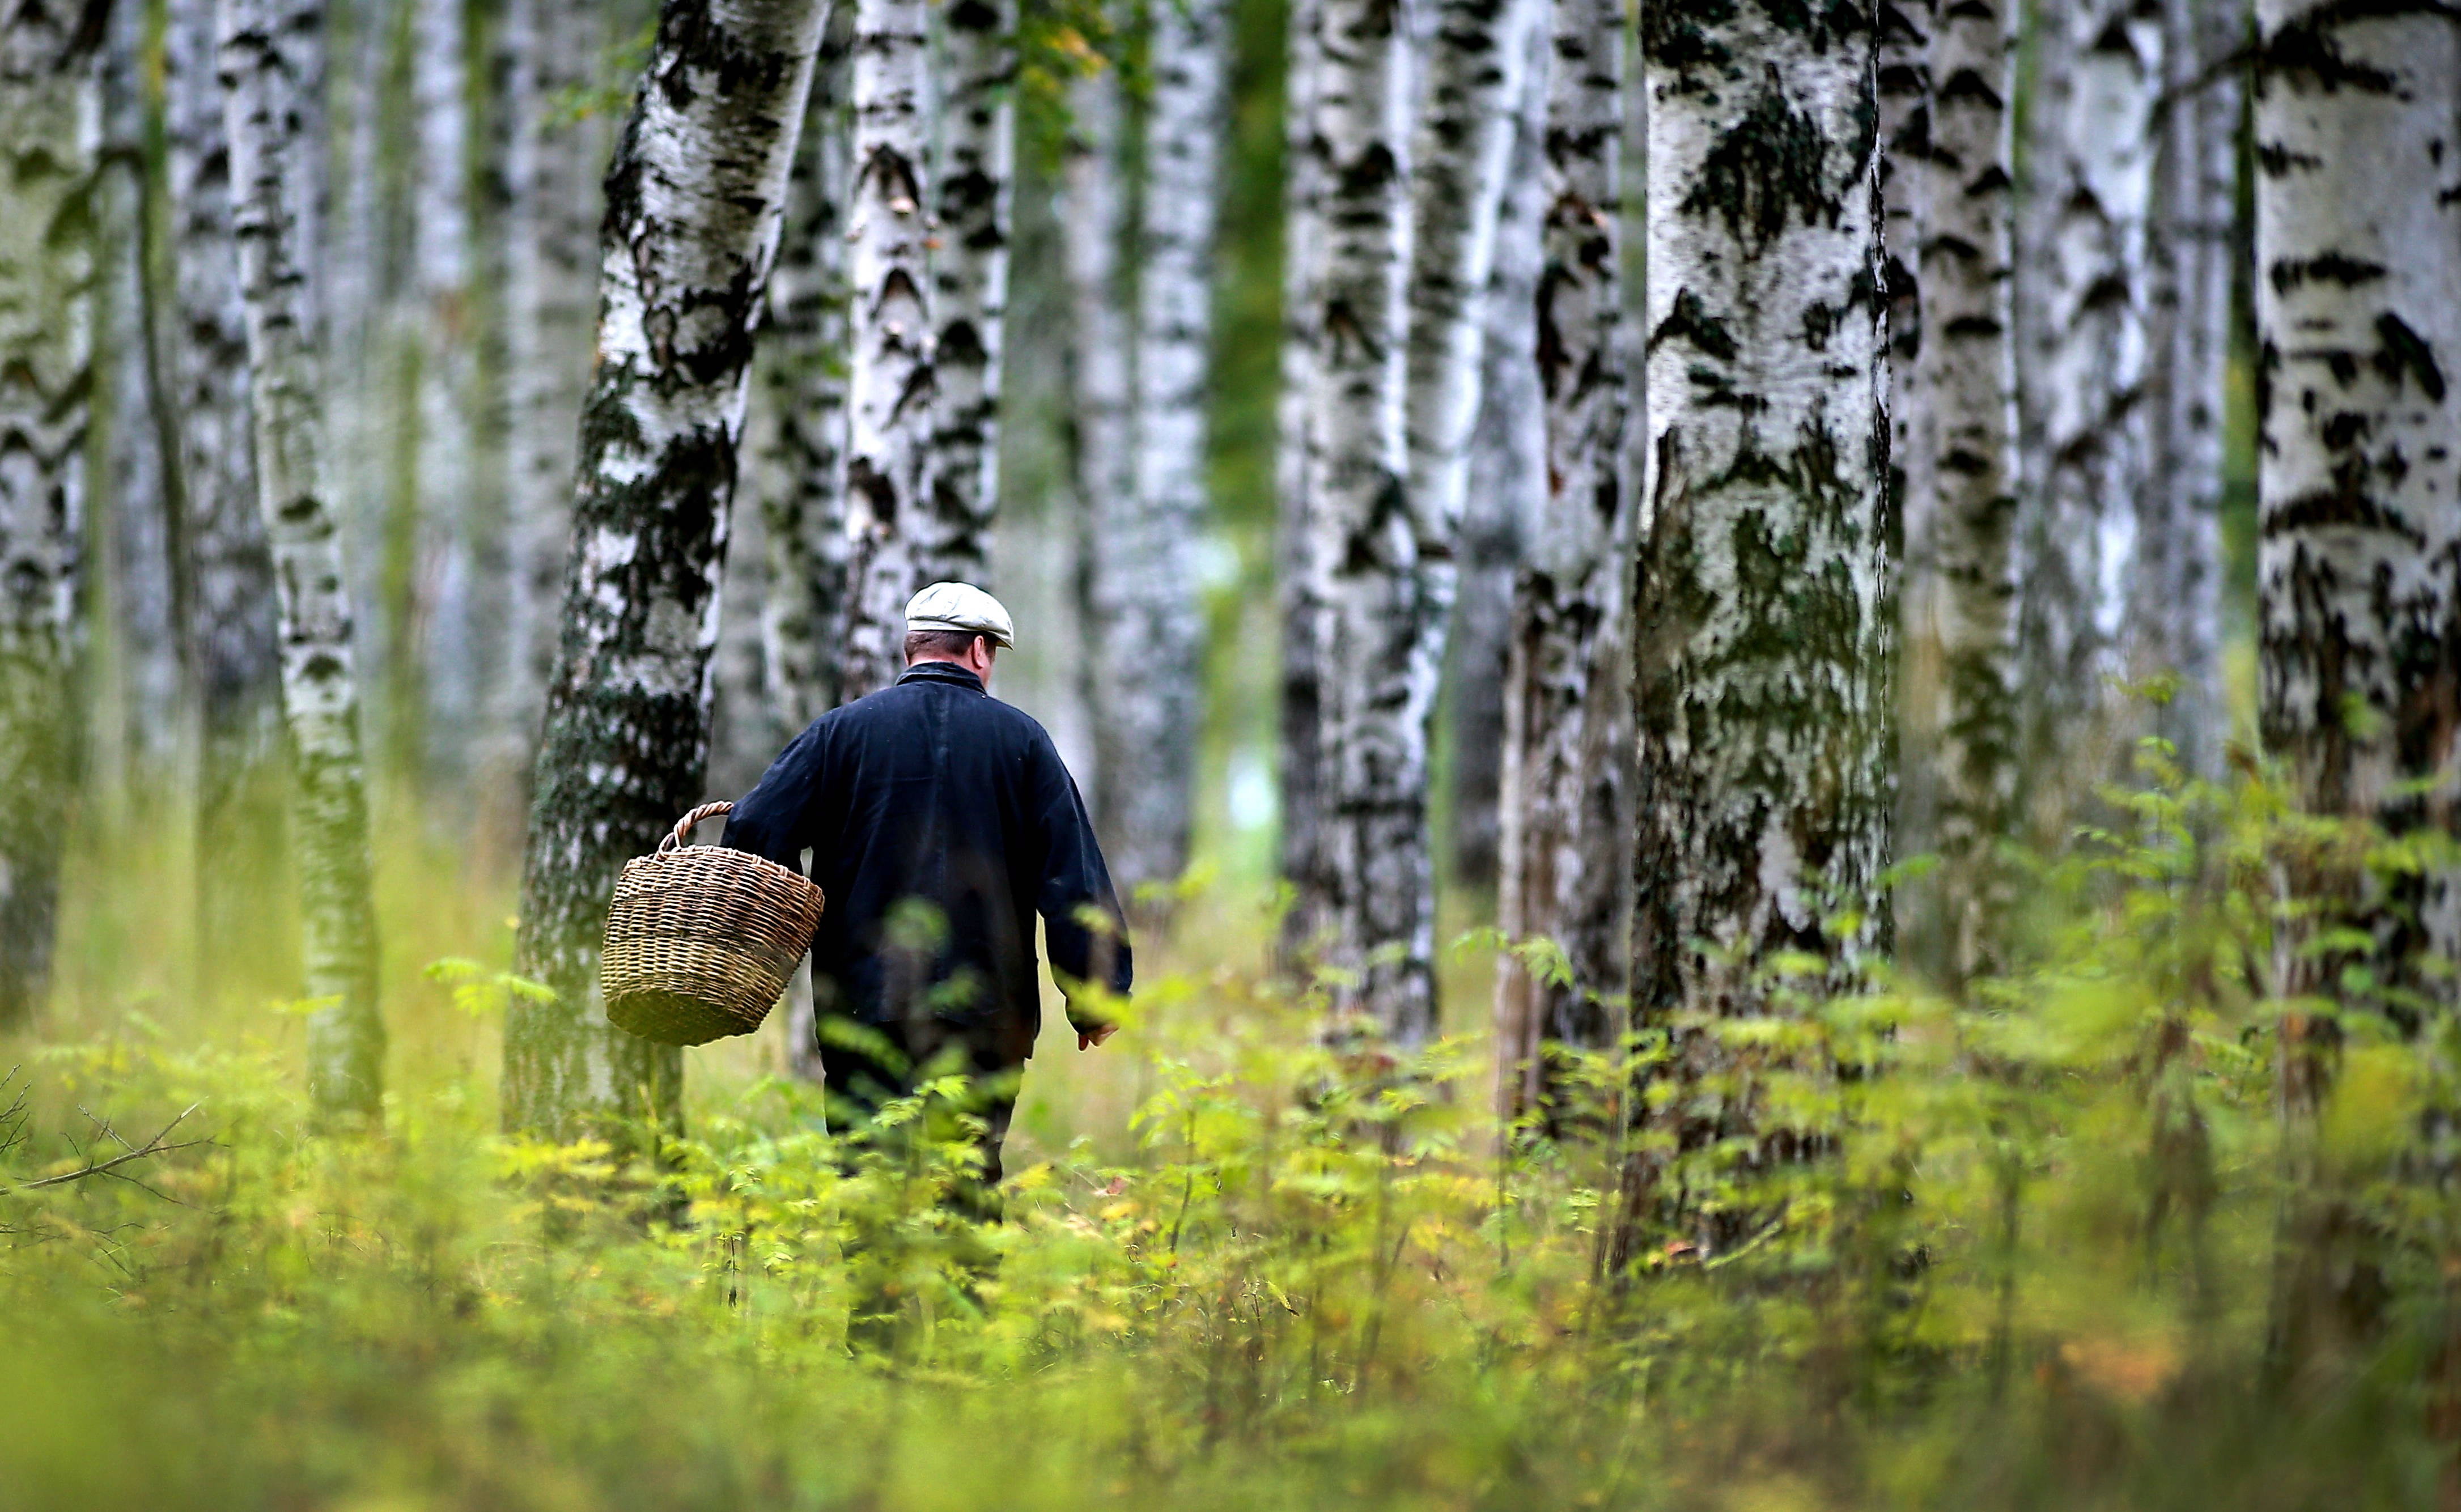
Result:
[867,1065]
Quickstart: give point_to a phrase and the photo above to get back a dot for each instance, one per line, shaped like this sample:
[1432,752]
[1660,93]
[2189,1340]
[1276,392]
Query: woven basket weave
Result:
[700,939]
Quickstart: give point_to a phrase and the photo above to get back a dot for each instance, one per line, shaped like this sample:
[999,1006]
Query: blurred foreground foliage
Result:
[2026,1249]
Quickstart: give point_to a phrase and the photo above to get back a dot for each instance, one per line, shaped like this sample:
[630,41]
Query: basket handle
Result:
[690,822]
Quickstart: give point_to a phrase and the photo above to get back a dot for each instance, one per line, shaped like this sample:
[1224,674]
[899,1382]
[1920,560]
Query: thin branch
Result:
[156,1145]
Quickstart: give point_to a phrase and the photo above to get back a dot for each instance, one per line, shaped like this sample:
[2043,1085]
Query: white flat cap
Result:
[962,607]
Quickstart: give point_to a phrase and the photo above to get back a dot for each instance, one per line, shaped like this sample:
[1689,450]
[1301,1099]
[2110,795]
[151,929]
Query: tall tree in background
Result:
[1764,591]
[1302,838]
[1566,718]
[232,657]
[1507,482]
[554,158]
[2175,606]
[273,65]
[970,195]
[1148,704]
[51,139]
[1381,574]
[1113,548]
[1966,377]
[893,381]
[2086,298]
[803,375]
[1905,89]
[696,201]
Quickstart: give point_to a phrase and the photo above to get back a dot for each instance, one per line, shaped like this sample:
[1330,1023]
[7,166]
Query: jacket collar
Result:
[949,672]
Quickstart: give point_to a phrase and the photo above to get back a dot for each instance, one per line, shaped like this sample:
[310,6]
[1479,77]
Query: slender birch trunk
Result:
[893,381]
[803,381]
[1967,379]
[1905,89]
[1565,721]
[1148,708]
[2174,608]
[696,205]
[1101,423]
[1302,838]
[1384,573]
[272,59]
[552,169]
[1766,586]
[228,602]
[51,139]
[971,196]
[1508,485]
[2100,70]
[2358,249]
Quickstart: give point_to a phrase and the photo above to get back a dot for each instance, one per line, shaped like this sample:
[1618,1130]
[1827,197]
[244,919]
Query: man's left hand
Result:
[1086,1041]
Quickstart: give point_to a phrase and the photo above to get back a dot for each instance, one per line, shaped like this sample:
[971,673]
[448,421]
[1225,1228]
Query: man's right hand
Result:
[1086,1041]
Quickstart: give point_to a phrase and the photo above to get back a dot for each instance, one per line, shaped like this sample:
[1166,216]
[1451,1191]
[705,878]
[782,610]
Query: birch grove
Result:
[1765,590]
[271,61]
[696,205]
[51,139]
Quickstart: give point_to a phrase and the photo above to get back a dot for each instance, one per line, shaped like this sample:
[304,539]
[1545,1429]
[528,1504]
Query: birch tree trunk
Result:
[1302,838]
[893,381]
[2101,67]
[1967,379]
[272,66]
[1766,586]
[51,139]
[696,203]
[1566,726]
[804,379]
[1905,89]
[2174,608]
[1382,568]
[1148,704]
[233,654]
[552,168]
[1101,428]
[1508,483]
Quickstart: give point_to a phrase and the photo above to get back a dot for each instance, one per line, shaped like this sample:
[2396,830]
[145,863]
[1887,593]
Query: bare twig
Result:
[159,1144]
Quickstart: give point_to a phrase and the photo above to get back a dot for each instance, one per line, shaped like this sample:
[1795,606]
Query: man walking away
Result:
[940,822]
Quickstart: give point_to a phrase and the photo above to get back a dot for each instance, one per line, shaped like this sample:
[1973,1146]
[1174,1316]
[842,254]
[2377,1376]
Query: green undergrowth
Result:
[2018,1247]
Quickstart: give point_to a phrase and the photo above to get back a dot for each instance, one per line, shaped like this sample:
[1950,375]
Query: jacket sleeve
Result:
[772,819]
[1082,918]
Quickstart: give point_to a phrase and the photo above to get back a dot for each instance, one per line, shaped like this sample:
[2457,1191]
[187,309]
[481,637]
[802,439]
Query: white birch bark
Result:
[804,385]
[1966,375]
[893,381]
[2359,482]
[695,205]
[1905,85]
[1766,587]
[1383,578]
[271,61]
[1300,768]
[1508,485]
[51,139]
[1148,704]
[552,167]
[2100,70]
[1101,428]
[1566,717]
[2175,608]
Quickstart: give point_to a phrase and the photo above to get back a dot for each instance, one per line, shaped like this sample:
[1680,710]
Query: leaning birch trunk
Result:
[1149,708]
[1764,592]
[233,652]
[50,140]
[552,170]
[1302,840]
[272,70]
[1508,487]
[1967,379]
[2093,175]
[1384,572]
[1566,724]
[802,460]
[695,204]
[1093,231]
[2174,605]
[891,382]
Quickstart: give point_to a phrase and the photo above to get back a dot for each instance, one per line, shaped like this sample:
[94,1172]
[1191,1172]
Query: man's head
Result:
[960,622]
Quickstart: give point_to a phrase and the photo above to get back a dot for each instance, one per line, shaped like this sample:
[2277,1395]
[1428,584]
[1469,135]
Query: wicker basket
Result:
[701,939]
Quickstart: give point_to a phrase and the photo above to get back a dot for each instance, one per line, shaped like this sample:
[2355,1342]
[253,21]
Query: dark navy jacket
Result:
[932,792]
